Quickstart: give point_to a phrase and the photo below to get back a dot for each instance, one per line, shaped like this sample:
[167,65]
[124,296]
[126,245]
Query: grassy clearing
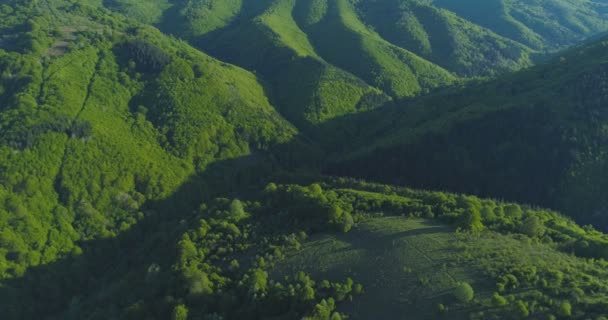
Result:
[406,266]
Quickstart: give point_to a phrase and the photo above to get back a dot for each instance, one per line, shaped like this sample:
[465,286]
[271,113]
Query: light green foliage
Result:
[471,216]
[538,24]
[80,157]
[443,38]
[533,226]
[180,312]
[521,310]
[237,211]
[463,292]
[565,309]
[499,300]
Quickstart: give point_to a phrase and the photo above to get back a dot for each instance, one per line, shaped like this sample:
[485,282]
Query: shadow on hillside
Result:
[62,289]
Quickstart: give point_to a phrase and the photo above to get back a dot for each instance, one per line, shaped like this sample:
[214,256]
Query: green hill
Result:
[326,59]
[443,38]
[307,89]
[166,160]
[107,121]
[537,24]
[534,136]
[283,253]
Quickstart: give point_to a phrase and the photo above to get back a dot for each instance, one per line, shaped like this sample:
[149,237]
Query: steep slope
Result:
[307,89]
[343,40]
[537,136]
[443,38]
[537,24]
[326,59]
[115,115]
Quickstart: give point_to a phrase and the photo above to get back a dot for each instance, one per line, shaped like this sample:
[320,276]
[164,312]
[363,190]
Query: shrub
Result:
[180,312]
[464,292]
[521,309]
[532,227]
[565,309]
[498,300]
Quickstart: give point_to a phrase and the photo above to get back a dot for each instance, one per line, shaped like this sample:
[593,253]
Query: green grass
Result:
[410,266]
[406,266]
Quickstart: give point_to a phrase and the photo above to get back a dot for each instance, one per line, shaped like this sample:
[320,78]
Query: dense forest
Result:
[536,136]
[206,159]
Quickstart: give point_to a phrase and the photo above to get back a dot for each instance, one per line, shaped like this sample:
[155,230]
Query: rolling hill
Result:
[168,159]
[534,136]
[326,59]
[537,24]
[107,121]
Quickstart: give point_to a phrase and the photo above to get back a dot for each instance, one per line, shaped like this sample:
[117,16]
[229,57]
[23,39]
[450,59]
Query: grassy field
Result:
[406,266]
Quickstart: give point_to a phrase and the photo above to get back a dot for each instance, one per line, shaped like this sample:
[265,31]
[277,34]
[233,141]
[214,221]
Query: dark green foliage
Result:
[533,137]
[80,129]
[147,56]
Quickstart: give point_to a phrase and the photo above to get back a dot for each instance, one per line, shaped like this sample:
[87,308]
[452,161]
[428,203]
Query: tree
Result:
[471,220]
[347,222]
[237,211]
[488,214]
[565,309]
[199,283]
[316,189]
[180,312]
[148,56]
[81,129]
[335,213]
[323,309]
[258,281]
[521,309]
[513,212]
[463,292]
[498,300]
[532,227]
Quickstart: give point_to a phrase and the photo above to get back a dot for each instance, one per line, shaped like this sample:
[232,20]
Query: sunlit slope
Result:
[443,38]
[342,39]
[103,126]
[307,88]
[537,24]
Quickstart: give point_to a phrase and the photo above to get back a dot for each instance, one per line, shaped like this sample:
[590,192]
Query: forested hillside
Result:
[99,116]
[537,24]
[536,136]
[170,159]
